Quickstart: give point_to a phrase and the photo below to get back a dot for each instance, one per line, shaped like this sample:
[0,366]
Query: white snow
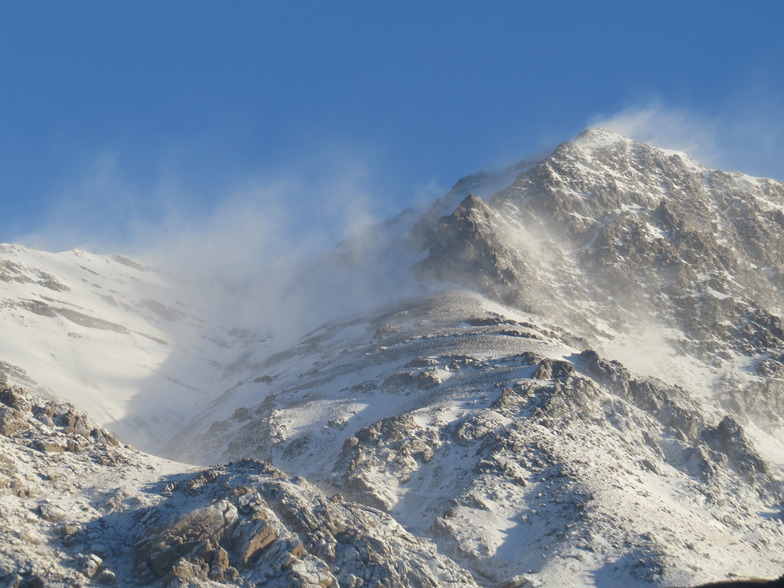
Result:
[138,351]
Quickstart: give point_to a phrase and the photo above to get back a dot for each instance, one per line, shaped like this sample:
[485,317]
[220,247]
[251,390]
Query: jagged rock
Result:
[11,422]
[465,248]
[47,446]
[106,577]
[240,524]
[251,535]
[728,439]
[51,513]
[189,534]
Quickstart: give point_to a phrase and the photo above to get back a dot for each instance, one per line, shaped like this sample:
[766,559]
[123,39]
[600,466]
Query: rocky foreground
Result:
[78,508]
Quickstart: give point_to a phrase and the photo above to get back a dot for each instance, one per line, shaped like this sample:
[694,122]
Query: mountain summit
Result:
[577,381]
[616,238]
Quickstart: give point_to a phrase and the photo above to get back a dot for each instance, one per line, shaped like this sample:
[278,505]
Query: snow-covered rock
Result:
[79,508]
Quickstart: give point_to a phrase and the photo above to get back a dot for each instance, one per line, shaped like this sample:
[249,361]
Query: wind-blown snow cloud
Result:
[272,243]
[290,249]
[665,127]
[108,207]
[745,136]
[96,210]
[271,247]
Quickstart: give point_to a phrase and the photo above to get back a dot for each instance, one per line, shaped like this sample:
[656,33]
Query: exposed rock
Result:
[280,532]
[511,453]
[51,513]
[466,249]
[90,565]
[242,524]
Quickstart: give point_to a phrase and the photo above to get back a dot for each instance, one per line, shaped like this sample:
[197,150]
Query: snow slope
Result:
[106,333]
[519,455]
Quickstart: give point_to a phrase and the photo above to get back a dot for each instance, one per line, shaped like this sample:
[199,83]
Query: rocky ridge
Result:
[623,246]
[81,509]
[521,457]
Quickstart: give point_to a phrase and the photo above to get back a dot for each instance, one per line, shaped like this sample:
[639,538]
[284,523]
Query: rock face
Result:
[525,455]
[252,525]
[518,455]
[466,249]
[609,232]
[50,453]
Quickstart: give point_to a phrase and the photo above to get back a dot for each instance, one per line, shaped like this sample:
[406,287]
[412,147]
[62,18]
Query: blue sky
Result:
[120,121]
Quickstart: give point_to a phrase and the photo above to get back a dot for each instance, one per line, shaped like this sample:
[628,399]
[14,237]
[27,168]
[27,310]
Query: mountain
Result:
[566,373]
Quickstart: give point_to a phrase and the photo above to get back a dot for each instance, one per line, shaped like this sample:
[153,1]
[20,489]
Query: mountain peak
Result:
[599,136]
[554,376]
[600,140]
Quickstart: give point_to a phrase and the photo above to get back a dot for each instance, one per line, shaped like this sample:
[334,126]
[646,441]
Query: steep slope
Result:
[632,244]
[566,373]
[519,455]
[110,334]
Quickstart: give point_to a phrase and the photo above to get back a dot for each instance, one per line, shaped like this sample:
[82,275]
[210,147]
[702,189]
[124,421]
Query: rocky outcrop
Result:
[49,426]
[257,526]
[466,249]
[471,434]
[79,508]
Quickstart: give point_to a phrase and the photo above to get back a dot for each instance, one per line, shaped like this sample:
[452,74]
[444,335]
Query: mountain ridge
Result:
[578,378]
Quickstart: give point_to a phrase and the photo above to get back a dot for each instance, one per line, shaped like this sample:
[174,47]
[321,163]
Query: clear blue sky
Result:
[114,113]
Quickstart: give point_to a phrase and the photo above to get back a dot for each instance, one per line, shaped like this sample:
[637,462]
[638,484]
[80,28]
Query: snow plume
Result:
[665,127]
[97,209]
[282,250]
[744,136]
[289,253]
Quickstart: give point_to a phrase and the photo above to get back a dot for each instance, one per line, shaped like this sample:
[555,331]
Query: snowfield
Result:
[113,336]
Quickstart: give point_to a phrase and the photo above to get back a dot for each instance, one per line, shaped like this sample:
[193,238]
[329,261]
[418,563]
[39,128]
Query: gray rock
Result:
[90,565]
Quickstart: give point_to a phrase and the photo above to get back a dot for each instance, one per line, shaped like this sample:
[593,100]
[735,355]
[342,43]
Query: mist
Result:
[310,241]
[745,135]
[280,252]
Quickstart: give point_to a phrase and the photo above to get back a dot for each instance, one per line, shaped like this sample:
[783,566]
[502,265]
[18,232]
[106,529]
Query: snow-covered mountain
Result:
[566,373]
